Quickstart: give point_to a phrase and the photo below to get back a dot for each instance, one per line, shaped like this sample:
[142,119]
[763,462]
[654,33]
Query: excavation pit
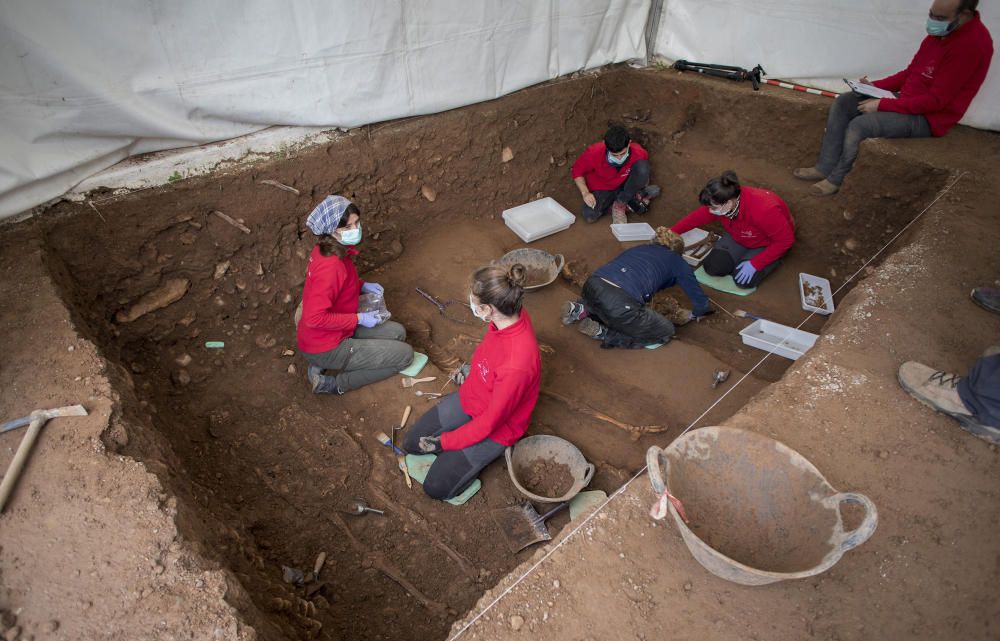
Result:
[264,469]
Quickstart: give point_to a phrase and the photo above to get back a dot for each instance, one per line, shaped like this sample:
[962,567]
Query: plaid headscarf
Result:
[326,216]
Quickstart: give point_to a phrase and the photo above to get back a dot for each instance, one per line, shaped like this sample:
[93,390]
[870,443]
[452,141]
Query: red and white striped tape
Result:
[792,85]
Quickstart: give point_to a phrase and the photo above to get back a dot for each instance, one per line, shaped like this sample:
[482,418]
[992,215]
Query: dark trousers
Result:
[638,178]
[980,390]
[370,355]
[846,127]
[728,253]
[630,323]
[453,470]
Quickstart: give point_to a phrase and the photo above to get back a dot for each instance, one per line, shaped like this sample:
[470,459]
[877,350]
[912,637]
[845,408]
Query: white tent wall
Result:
[84,85]
[816,42]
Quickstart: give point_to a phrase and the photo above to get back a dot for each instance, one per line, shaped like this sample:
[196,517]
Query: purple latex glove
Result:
[744,272]
[372,288]
[368,319]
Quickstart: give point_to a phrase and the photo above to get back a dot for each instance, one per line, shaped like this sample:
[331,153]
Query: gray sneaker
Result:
[939,391]
[571,312]
[322,384]
[593,329]
[987,298]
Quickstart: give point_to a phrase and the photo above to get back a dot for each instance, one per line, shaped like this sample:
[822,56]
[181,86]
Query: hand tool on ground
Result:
[360,507]
[739,313]
[738,74]
[714,302]
[719,376]
[401,458]
[428,395]
[444,307]
[384,439]
[409,381]
[35,421]
[522,526]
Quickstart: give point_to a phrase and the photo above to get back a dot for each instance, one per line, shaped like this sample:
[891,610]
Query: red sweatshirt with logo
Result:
[943,77]
[763,221]
[593,165]
[329,302]
[502,387]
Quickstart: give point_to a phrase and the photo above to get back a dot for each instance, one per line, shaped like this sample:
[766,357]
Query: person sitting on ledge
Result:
[614,175]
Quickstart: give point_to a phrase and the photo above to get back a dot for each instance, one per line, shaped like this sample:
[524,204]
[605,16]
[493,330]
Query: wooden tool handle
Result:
[20,458]
[406,416]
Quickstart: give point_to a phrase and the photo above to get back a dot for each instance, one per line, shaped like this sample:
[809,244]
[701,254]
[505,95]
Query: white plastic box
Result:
[823,295]
[691,237]
[538,219]
[778,339]
[630,232]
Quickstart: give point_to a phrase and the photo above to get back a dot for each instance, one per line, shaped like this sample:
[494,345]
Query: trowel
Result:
[522,526]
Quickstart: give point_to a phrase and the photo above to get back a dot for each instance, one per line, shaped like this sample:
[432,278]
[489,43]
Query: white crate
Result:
[630,232]
[537,219]
[778,339]
[808,280]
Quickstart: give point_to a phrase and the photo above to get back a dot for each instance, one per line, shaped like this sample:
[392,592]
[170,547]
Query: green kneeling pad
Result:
[722,283]
[417,364]
[420,464]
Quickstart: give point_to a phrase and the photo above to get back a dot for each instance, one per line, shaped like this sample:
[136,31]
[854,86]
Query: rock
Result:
[288,352]
[507,154]
[7,619]
[13,633]
[291,368]
[848,215]
[851,244]
[396,248]
[220,270]
[157,568]
[189,318]
[188,237]
[168,293]
[292,575]
[556,584]
[287,298]
[181,377]
[884,454]
[183,360]
[266,341]
[516,622]
[260,269]
[51,626]
[428,193]
[688,586]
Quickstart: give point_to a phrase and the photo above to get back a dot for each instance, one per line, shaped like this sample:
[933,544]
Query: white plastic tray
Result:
[537,219]
[778,339]
[812,282]
[633,231]
[690,237]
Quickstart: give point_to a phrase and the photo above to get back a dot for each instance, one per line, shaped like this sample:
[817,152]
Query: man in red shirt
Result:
[932,94]
[614,174]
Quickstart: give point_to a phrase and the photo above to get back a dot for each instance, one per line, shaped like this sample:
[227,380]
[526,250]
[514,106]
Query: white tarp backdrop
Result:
[86,84]
[816,42]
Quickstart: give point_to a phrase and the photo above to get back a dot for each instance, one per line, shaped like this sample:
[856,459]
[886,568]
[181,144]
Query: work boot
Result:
[987,297]
[808,173]
[618,215]
[322,384]
[824,188]
[939,391]
[593,329]
[572,312]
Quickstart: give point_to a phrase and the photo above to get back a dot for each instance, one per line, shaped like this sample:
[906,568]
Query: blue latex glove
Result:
[372,288]
[368,319]
[744,272]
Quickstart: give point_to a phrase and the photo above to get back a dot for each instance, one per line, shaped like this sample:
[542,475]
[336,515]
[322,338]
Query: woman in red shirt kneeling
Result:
[469,429]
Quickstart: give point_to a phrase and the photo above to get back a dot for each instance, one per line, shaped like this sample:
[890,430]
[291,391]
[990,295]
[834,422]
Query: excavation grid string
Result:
[625,486]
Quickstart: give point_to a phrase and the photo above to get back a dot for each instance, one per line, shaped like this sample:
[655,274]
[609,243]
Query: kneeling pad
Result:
[420,464]
[722,283]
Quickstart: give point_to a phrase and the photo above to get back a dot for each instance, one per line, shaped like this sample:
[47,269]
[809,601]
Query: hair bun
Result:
[516,275]
[728,177]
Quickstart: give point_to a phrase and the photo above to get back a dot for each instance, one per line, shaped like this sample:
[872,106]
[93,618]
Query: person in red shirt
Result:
[758,226]
[614,175]
[332,334]
[497,391]
[932,94]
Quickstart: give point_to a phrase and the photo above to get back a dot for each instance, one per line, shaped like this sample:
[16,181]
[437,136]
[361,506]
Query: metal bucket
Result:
[543,446]
[543,267]
[759,512]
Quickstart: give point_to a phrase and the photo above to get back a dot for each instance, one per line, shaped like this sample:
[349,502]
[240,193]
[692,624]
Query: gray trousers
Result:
[846,127]
[980,390]
[370,355]
[727,254]
[638,178]
[453,470]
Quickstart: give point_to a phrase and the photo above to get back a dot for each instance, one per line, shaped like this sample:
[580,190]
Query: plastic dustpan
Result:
[420,464]
[722,283]
[417,364]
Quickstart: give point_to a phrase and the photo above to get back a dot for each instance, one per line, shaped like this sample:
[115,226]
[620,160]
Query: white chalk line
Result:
[552,550]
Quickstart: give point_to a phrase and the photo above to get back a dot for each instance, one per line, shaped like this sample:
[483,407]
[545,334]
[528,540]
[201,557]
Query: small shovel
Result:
[522,526]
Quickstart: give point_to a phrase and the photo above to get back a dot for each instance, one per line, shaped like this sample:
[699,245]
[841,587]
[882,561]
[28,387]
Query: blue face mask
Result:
[618,162]
[940,28]
[350,236]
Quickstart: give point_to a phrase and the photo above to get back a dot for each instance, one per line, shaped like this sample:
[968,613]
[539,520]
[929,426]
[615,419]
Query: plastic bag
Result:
[374,303]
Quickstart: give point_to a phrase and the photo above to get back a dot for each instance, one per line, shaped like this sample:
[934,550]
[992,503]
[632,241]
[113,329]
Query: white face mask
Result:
[472,306]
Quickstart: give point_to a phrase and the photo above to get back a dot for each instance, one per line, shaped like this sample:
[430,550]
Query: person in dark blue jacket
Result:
[615,297]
